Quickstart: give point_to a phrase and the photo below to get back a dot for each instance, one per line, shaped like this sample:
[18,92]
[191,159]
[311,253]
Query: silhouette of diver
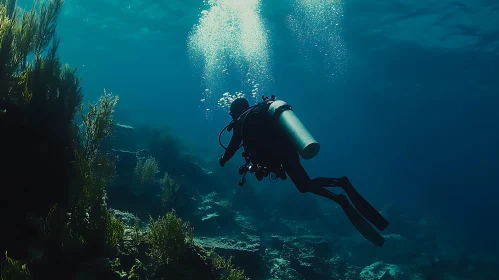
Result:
[273,139]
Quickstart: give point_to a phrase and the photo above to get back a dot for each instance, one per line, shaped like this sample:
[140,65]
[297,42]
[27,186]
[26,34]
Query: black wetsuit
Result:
[268,147]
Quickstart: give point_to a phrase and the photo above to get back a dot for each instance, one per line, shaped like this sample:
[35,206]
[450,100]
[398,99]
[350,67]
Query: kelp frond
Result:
[98,123]
[10,7]
[24,33]
[47,24]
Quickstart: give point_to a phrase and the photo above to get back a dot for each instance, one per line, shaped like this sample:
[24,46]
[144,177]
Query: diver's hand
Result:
[222,161]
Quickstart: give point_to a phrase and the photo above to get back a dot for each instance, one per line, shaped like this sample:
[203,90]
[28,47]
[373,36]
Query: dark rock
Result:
[37,156]
[275,224]
[213,215]
[246,198]
[196,266]
[307,256]
[127,218]
[123,137]
[245,255]
[125,162]
[100,268]
[279,268]
[191,265]
[399,250]
[248,223]
[382,271]
[131,249]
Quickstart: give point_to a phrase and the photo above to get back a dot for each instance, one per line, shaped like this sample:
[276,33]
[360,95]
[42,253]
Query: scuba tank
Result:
[284,117]
[293,128]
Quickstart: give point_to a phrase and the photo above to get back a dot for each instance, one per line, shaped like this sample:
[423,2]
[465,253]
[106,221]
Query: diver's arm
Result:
[234,144]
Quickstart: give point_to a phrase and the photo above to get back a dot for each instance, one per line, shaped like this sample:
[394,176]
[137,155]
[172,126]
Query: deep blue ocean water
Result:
[401,95]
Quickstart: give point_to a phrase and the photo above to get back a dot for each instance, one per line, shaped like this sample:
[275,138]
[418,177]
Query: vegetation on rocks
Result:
[168,238]
[56,222]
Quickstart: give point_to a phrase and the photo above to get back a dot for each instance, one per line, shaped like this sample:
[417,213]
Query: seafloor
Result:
[273,239]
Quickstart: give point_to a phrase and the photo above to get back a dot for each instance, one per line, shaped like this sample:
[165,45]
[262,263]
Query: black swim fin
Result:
[361,204]
[360,223]
[353,215]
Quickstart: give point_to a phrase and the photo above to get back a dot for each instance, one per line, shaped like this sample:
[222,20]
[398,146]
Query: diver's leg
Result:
[304,184]
[362,205]
[300,179]
[297,173]
[353,215]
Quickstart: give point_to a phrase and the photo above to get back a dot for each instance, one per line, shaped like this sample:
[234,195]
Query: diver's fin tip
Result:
[381,243]
[361,224]
[384,226]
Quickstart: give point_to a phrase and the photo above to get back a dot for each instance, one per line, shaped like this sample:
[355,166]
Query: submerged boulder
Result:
[101,268]
[245,250]
[304,256]
[382,271]
[123,138]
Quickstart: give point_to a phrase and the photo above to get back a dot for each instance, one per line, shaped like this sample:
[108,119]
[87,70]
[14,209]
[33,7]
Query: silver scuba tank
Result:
[293,128]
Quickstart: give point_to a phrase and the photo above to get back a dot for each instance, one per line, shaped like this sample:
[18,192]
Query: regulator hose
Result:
[220,135]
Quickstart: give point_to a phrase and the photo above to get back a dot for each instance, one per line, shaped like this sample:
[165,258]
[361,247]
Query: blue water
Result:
[402,95]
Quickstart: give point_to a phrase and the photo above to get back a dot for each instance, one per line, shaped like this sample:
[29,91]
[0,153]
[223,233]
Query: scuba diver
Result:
[274,139]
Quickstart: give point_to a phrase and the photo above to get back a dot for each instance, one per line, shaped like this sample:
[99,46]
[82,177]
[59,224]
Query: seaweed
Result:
[168,189]
[146,169]
[93,171]
[39,98]
[56,220]
[224,266]
[14,270]
[57,175]
[168,238]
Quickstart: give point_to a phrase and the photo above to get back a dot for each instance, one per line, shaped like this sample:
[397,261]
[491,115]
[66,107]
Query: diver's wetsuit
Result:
[264,143]
[267,146]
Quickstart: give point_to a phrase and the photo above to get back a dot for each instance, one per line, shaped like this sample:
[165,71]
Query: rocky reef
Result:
[262,237]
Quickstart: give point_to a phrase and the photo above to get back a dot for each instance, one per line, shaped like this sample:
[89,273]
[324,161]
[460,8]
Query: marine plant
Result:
[168,189]
[146,169]
[14,270]
[115,230]
[137,236]
[65,174]
[93,171]
[97,124]
[168,238]
[230,272]
[42,82]
[39,98]
[88,223]
[59,170]
[137,271]
[225,266]
[167,150]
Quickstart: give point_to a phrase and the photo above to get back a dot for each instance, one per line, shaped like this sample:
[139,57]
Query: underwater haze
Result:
[402,96]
